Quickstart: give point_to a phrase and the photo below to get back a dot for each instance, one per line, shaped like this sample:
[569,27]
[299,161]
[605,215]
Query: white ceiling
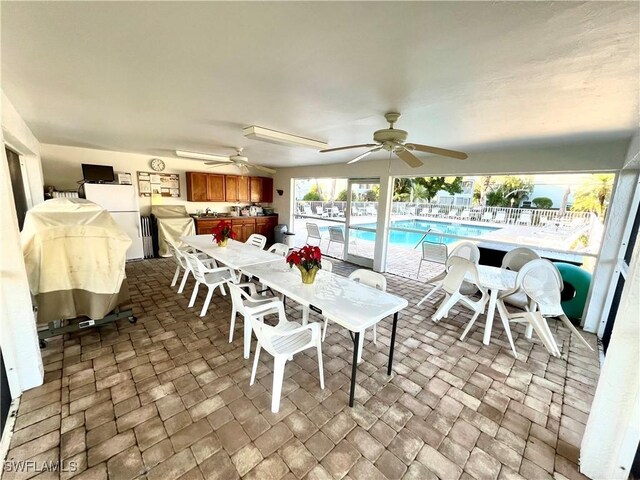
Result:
[156,77]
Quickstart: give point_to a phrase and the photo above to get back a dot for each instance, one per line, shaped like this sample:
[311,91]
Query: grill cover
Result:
[74,254]
[173,222]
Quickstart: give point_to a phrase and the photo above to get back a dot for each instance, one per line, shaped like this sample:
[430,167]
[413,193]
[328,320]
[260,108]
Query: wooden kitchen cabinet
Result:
[215,188]
[197,186]
[243,228]
[265,226]
[261,189]
[237,188]
[206,225]
[205,187]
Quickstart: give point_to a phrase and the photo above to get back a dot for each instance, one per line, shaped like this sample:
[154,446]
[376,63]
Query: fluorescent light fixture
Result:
[201,156]
[273,136]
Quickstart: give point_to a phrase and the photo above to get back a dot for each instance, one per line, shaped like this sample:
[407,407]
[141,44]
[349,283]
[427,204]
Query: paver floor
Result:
[169,398]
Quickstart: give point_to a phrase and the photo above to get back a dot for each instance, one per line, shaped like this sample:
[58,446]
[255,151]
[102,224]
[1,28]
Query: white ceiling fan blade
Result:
[437,151]
[264,169]
[214,165]
[365,154]
[201,156]
[408,157]
[326,150]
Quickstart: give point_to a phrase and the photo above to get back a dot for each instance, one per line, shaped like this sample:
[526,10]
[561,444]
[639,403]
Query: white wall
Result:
[18,334]
[62,168]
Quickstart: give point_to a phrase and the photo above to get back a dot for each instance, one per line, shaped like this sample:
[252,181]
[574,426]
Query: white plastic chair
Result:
[313,231]
[487,216]
[282,342]
[453,213]
[243,302]
[518,257]
[525,218]
[435,212]
[434,253]
[465,215]
[335,235]
[181,263]
[321,213]
[371,279]
[307,210]
[542,283]
[466,250]
[501,217]
[211,277]
[257,240]
[459,268]
[327,266]
[279,249]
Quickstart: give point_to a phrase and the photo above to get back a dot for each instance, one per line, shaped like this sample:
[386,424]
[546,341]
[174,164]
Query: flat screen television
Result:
[97,173]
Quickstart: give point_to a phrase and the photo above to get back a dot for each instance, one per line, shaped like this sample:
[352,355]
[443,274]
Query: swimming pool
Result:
[410,239]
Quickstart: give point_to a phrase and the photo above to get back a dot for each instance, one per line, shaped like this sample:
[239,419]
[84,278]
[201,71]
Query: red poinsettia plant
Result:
[222,232]
[305,258]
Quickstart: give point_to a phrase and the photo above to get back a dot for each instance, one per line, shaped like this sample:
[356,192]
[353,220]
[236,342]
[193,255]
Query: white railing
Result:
[497,215]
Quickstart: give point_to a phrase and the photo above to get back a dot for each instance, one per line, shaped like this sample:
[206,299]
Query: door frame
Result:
[351,257]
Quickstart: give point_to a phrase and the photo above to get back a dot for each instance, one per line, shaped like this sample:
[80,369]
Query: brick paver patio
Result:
[170,398]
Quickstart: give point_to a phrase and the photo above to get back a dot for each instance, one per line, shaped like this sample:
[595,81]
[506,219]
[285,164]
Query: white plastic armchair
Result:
[282,341]
[257,240]
[181,263]
[211,277]
[313,231]
[542,284]
[279,249]
[466,250]
[461,270]
[243,302]
[373,280]
[518,257]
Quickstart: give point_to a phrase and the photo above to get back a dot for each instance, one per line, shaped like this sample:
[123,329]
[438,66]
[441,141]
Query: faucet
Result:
[206,212]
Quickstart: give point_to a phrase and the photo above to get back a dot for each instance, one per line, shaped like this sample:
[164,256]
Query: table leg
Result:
[393,342]
[354,368]
[305,314]
[490,313]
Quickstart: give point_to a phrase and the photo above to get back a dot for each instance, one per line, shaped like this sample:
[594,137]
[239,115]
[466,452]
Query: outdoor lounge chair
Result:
[465,215]
[525,218]
[307,210]
[453,213]
[335,235]
[435,212]
[321,213]
[434,253]
[336,212]
[487,216]
[371,210]
[423,212]
[501,217]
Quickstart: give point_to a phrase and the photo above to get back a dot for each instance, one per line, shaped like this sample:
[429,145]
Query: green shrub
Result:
[542,202]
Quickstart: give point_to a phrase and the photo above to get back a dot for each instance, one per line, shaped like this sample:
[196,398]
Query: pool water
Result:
[411,239]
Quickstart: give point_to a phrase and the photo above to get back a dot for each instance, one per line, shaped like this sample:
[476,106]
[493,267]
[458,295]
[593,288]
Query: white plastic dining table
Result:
[496,280]
[346,302]
[235,255]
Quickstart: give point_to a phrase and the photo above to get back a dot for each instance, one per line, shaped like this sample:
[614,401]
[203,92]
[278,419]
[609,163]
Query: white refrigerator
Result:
[122,203]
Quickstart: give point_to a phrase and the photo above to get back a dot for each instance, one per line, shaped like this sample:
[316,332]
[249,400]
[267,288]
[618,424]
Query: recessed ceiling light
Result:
[273,136]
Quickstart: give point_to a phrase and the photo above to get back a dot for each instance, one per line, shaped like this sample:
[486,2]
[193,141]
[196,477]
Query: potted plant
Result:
[223,232]
[308,260]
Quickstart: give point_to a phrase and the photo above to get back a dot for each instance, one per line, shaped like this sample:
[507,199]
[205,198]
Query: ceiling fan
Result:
[393,140]
[221,160]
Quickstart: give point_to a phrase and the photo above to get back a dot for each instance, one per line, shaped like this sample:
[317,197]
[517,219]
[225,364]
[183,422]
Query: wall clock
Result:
[157,165]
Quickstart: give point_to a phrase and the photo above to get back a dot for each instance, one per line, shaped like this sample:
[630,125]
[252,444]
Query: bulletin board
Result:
[154,183]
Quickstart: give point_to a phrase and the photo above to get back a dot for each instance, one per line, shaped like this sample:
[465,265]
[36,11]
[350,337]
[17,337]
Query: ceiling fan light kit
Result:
[273,136]
[393,140]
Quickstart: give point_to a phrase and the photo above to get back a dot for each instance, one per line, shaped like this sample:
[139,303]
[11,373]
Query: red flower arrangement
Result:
[223,232]
[308,259]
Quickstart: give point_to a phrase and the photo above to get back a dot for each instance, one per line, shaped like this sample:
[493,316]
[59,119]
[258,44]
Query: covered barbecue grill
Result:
[74,254]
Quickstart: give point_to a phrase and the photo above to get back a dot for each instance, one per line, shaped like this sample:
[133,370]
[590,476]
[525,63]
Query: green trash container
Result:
[576,288]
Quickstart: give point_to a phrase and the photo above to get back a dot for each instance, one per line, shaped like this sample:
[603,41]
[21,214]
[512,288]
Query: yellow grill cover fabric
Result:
[72,244]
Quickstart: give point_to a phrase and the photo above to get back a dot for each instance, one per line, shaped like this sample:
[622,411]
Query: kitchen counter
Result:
[243,227]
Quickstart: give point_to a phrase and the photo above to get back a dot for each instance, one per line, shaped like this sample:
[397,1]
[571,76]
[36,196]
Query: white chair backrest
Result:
[319,211]
[435,210]
[369,278]
[467,250]
[197,267]
[327,266]
[453,212]
[501,216]
[540,281]
[279,249]
[487,216]
[257,240]
[525,217]
[465,214]
[518,257]
[459,268]
[336,235]
[177,255]
[264,332]
[435,252]
[313,230]
[307,210]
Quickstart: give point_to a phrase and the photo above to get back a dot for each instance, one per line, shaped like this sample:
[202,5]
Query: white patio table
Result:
[235,255]
[346,302]
[496,280]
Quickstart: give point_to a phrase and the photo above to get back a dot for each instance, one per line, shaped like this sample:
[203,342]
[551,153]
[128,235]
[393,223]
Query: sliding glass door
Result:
[361,219]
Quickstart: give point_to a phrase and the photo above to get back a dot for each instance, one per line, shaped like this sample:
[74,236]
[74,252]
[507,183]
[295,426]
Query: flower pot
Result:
[308,276]
[223,243]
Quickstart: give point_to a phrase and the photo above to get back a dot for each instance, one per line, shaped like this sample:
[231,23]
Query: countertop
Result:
[228,217]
